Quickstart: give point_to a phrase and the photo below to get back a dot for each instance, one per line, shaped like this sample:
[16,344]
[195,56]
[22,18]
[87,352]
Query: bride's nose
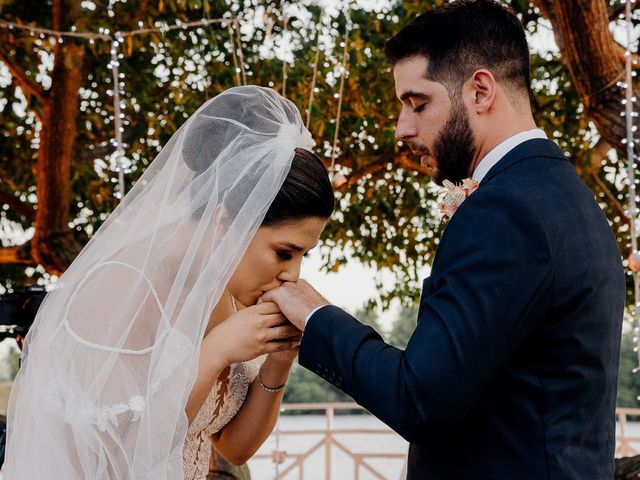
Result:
[291,273]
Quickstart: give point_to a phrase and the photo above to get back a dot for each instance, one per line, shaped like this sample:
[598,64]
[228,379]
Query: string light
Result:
[339,180]
[240,54]
[284,60]
[233,25]
[118,116]
[236,68]
[314,76]
[629,116]
[118,85]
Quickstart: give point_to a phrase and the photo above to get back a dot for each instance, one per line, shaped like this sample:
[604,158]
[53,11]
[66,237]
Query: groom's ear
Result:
[482,91]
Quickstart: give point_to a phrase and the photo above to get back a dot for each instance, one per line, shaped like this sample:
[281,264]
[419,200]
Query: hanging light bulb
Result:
[338,180]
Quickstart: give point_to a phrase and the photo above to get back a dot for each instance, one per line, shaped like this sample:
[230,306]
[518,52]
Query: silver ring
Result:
[277,333]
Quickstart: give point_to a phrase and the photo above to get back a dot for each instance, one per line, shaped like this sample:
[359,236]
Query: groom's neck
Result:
[495,127]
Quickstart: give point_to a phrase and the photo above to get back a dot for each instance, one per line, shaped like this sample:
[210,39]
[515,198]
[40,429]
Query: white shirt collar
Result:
[495,155]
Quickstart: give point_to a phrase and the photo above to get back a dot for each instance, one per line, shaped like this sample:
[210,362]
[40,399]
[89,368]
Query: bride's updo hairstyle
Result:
[306,191]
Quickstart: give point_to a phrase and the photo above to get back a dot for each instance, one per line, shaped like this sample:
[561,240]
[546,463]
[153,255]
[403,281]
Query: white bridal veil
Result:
[112,355]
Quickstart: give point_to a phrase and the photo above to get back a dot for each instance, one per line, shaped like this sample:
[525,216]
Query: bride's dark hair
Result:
[306,192]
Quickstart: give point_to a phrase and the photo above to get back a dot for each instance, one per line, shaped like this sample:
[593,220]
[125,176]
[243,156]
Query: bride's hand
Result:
[252,332]
[287,357]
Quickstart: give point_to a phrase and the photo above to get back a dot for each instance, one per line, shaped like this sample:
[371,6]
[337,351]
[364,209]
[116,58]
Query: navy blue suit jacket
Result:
[511,372]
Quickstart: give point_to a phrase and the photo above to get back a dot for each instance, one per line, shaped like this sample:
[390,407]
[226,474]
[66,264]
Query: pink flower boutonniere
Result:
[455,195]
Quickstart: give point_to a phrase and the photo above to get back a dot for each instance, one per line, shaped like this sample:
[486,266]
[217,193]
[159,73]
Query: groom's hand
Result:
[295,300]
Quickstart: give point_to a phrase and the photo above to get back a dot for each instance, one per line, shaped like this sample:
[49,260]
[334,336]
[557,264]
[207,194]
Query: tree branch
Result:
[27,83]
[102,148]
[369,169]
[401,160]
[20,254]
[18,206]
[593,59]
[617,9]
[598,159]
[614,201]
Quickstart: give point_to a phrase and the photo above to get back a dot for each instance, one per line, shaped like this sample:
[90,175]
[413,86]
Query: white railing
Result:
[327,441]
[330,443]
[627,438]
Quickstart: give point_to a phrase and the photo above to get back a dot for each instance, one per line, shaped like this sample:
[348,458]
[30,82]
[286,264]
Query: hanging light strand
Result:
[234,56]
[629,115]
[117,112]
[345,72]
[284,60]
[243,69]
[314,76]
[115,39]
[108,37]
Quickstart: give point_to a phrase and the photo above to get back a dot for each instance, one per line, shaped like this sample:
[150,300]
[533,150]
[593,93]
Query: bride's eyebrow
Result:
[293,246]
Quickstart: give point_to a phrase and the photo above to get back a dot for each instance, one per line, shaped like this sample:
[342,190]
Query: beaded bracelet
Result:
[266,388]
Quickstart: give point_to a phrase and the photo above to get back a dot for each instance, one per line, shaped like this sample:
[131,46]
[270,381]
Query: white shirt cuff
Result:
[312,312]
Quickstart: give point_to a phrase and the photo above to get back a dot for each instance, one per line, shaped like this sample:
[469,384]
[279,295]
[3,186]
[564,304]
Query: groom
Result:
[511,371]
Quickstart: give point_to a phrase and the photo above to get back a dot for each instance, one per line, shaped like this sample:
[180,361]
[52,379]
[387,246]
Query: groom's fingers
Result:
[296,300]
[270,296]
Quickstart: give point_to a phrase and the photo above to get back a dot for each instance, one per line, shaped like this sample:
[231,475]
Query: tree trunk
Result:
[595,62]
[53,245]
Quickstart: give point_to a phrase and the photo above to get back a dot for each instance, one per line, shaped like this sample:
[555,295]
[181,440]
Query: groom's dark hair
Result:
[462,37]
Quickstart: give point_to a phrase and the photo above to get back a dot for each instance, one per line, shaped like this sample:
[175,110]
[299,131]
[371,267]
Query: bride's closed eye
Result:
[288,255]
[285,255]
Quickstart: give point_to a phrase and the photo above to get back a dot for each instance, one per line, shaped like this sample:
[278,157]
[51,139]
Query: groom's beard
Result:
[453,148]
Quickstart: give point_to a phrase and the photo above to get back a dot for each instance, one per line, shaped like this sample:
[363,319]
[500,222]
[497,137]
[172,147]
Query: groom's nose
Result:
[406,127]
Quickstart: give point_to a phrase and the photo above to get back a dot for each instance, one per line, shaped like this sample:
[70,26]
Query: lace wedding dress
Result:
[222,404]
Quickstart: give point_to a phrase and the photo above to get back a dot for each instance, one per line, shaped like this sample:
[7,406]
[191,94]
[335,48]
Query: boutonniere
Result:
[455,195]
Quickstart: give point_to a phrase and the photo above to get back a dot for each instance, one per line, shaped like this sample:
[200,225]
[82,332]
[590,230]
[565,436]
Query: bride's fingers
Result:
[265,308]
[273,347]
[274,320]
[282,332]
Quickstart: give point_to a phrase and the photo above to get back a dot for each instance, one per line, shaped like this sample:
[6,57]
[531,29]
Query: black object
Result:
[18,310]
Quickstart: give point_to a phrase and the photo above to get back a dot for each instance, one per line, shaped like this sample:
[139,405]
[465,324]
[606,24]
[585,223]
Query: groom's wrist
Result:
[308,317]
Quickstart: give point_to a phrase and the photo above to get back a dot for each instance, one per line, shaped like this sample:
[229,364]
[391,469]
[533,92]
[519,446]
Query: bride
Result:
[151,346]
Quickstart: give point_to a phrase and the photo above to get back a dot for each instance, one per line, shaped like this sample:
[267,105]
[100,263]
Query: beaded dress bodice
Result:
[222,404]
